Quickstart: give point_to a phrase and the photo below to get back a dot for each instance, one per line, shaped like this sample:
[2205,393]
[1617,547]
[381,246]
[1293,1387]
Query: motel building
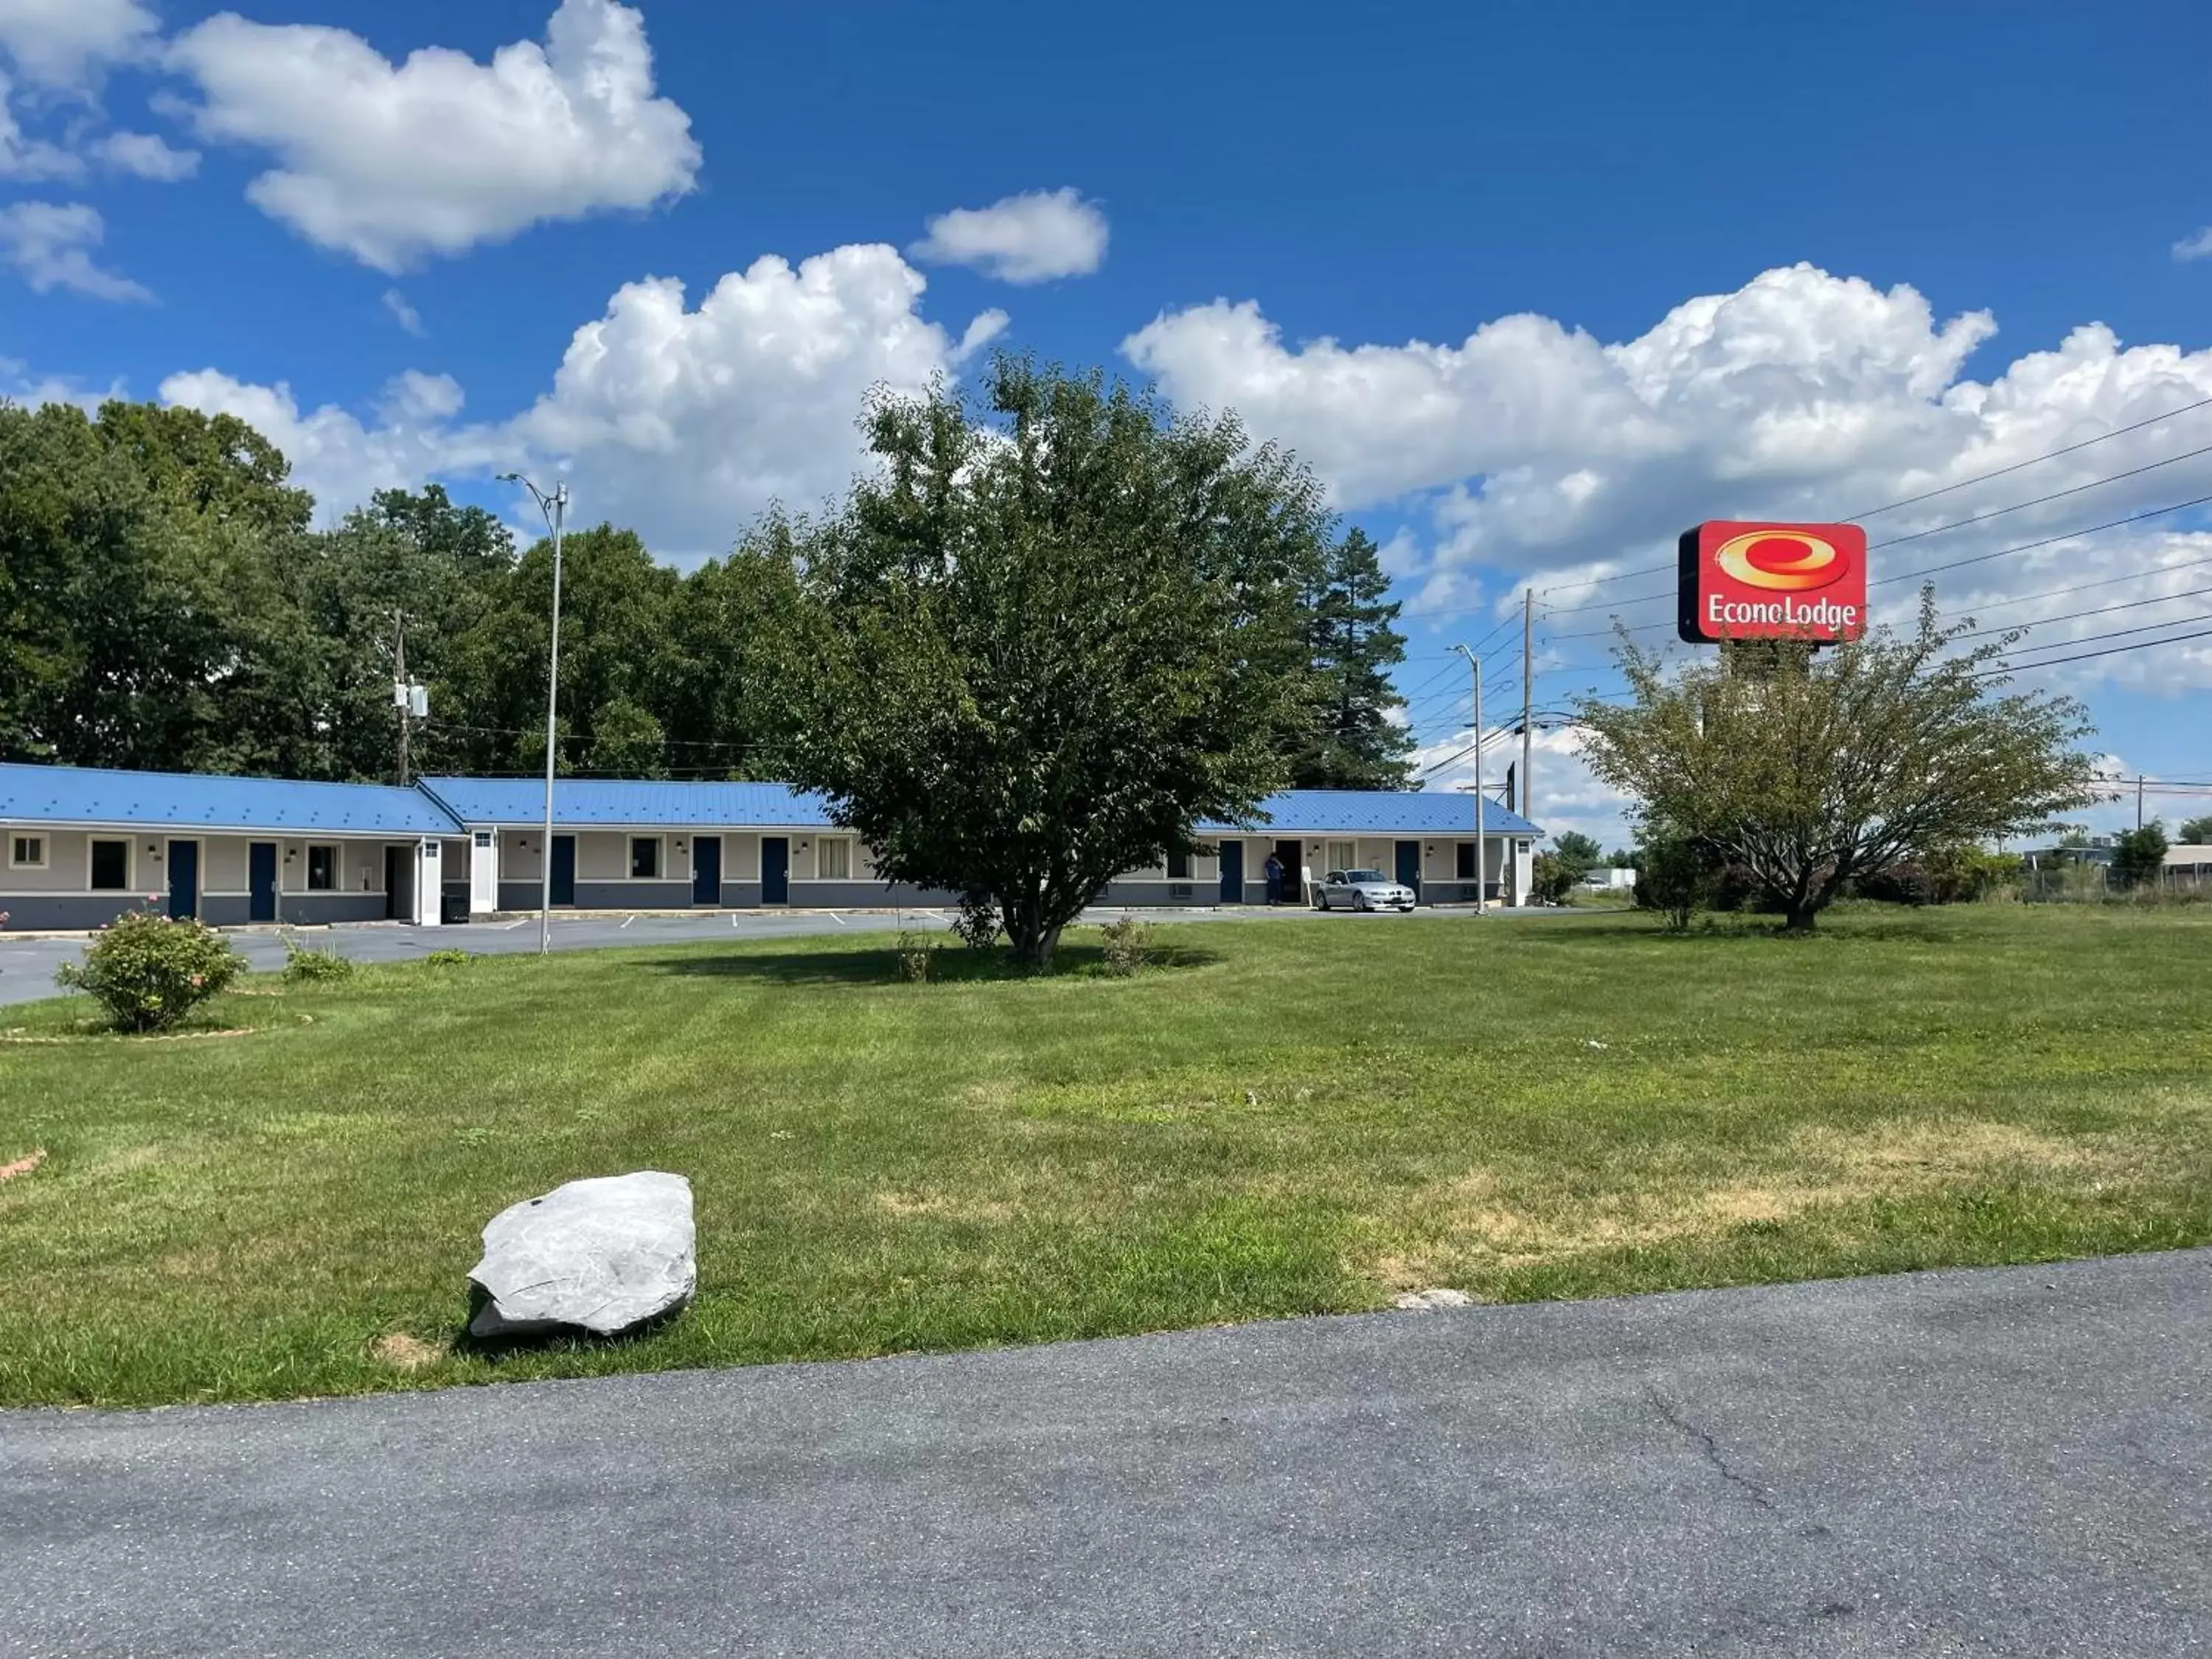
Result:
[86,844]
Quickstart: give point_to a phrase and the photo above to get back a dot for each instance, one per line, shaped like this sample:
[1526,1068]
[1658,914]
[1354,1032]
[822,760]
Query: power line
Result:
[2026,547]
[2118,633]
[2035,461]
[2076,616]
[1928,495]
[2056,496]
[2109,651]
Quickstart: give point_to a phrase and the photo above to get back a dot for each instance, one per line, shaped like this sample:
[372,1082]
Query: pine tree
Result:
[1354,743]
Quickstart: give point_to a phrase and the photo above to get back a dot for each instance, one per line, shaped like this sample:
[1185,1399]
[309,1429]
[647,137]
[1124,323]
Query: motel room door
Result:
[564,869]
[1232,873]
[183,879]
[1409,866]
[707,869]
[261,881]
[775,869]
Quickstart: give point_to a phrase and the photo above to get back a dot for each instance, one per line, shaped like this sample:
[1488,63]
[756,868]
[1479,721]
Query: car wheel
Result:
[1321,900]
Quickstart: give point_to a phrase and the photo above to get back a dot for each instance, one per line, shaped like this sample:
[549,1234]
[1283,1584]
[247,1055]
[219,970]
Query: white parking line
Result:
[626,922]
[835,917]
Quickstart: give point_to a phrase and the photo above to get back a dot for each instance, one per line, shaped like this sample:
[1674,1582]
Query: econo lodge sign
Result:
[1773,581]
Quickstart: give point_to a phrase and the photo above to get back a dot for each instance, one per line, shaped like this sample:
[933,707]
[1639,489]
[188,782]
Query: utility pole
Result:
[2139,783]
[400,692]
[1526,797]
[556,509]
[1481,851]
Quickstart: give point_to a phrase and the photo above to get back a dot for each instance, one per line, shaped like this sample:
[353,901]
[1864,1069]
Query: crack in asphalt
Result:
[1709,1446]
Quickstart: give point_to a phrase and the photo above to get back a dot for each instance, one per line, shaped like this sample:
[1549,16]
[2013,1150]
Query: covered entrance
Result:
[775,869]
[1232,873]
[1291,889]
[564,869]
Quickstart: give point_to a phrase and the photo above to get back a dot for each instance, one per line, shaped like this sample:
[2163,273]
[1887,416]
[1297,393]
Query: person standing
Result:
[1275,869]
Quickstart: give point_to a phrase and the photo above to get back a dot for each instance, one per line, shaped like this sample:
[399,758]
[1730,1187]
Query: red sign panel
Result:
[1773,581]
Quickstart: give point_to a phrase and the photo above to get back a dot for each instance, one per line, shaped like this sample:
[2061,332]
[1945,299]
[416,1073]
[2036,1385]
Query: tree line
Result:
[168,601]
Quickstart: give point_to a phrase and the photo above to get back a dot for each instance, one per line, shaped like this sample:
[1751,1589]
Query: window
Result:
[1342,855]
[1467,860]
[645,858]
[111,866]
[322,869]
[836,859]
[1178,867]
[27,852]
[484,838]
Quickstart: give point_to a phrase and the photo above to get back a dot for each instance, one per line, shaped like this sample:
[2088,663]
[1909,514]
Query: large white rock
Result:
[600,1255]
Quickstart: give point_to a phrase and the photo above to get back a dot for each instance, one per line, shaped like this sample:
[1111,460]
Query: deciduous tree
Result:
[1812,769]
[1054,633]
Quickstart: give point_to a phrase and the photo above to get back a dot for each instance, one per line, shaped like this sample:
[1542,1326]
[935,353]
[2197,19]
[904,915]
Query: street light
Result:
[1481,853]
[556,509]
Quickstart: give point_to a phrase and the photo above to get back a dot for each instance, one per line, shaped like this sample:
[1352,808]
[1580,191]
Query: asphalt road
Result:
[28,961]
[2017,1462]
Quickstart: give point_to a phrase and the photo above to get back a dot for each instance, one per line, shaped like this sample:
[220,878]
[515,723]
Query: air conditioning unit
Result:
[1181,889]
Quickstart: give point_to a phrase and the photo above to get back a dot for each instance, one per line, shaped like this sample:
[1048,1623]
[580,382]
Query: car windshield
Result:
[1356,876]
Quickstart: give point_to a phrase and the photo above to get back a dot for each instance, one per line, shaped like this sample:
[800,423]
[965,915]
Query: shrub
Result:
[150,971]
[448,957]
[917,956]
[1128,945]
[978,925]
[1673,877]
[306,967]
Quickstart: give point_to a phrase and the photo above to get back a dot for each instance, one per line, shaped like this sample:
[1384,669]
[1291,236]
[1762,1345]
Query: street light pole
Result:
[1481,852]
[556,509]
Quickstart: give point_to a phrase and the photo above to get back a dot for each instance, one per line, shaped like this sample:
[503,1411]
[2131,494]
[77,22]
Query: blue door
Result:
[261,881]
[183,879]
[1409,866]
[775,869]
[564,869]
[1232,873]
[706,870]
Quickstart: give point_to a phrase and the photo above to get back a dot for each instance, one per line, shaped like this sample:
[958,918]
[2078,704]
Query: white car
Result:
[1362,889]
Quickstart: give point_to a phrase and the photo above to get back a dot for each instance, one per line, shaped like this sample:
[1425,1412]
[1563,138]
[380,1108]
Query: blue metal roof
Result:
[621,802]
[580,802]
[1379,812]
[443,805]
[93,795]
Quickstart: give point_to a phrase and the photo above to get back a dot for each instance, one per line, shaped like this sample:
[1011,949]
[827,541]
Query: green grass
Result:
[1296,1117]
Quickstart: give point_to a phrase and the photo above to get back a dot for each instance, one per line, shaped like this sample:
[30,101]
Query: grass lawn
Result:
[1295,1117]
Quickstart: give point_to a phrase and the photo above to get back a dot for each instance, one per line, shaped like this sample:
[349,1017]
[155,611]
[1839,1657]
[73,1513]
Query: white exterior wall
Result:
[69,861]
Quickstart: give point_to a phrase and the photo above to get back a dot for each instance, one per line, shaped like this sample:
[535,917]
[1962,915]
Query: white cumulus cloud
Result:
[392,163]
[683,421]
[51,244]
[1030,238]
[1531,450]
[2198,246]
[67,43]
[143,155]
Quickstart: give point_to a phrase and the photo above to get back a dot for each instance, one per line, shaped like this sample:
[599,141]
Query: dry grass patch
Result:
[407,1354]
[1506,1221]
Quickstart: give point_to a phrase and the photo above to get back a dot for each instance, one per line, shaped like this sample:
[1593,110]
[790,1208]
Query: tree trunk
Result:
[1799,917]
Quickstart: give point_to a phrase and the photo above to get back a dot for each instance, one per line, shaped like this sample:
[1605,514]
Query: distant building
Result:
[83,845]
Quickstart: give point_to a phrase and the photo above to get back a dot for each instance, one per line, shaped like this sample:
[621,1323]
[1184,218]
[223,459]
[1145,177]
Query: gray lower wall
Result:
[317,910]
[633,896]
[69,912]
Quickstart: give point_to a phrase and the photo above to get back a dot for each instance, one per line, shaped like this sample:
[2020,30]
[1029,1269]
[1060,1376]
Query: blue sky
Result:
[1531,287]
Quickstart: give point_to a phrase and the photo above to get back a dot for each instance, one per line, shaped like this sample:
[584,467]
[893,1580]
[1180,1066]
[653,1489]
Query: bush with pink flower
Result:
[149,970]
